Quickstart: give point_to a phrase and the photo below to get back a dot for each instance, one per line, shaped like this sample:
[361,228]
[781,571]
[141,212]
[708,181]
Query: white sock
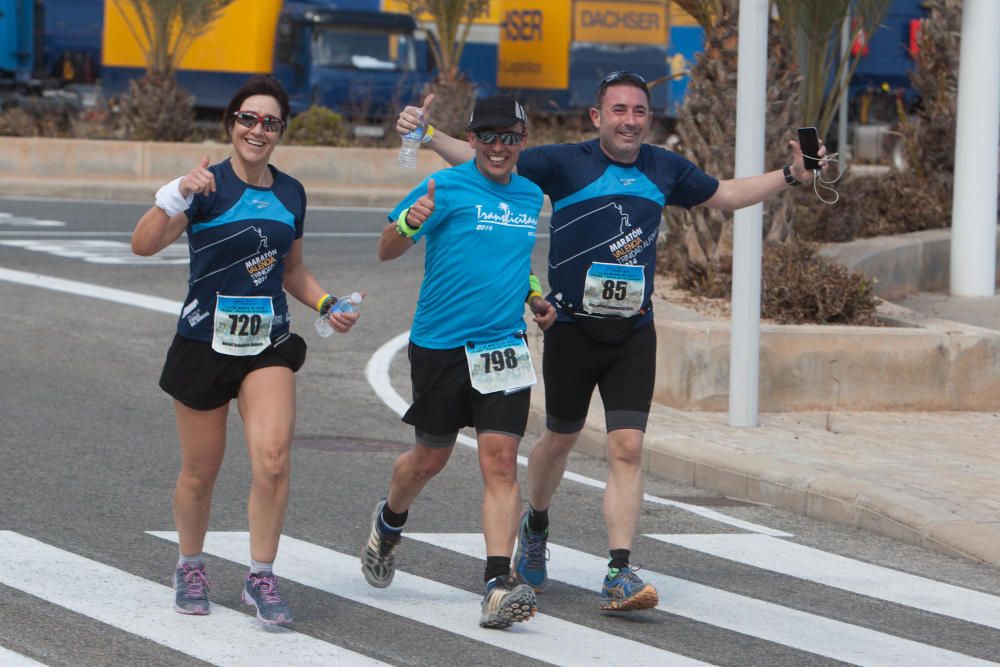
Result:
[261,568]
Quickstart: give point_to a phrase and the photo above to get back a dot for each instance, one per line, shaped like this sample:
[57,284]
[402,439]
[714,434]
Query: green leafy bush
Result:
[317,126]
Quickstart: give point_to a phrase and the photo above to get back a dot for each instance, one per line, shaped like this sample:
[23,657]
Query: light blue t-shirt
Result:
[479,242]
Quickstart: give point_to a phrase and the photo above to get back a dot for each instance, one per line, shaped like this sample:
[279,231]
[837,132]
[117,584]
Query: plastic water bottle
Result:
[411,142]
[345,304]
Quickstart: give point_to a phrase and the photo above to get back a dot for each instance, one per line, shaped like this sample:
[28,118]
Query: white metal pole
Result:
[974,208]
[845,53]
[751,90]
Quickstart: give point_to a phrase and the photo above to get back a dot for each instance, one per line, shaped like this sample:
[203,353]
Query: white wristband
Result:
[170,199]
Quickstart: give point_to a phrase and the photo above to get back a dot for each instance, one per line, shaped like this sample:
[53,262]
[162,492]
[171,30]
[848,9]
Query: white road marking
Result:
[144,608]
[9,658]
[441,606]
[739,613]
[802,562]
[94,291]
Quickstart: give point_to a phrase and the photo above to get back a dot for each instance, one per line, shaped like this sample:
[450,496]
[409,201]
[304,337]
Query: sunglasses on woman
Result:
[249,119]
[506,138]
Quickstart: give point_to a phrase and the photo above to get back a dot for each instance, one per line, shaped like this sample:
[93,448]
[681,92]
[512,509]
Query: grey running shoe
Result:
[261,592]
[378,561]
[191,590]
[507,602]
[530,556]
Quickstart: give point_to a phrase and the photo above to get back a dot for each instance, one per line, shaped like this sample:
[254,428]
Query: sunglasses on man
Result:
[623,75]
[506,138]
[249,119]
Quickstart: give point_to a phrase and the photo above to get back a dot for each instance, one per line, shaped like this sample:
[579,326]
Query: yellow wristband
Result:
[403,228]
[428,133]
[532,295]
[534,288]
[319,304]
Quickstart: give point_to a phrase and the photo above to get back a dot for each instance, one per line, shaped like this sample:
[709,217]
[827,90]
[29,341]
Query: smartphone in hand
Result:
[809,143]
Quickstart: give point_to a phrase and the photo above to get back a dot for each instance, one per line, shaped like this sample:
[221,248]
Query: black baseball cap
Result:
[497,111]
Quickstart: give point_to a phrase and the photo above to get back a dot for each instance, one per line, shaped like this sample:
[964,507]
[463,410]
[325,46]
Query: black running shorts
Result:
[444,400]
[203,379]
[573,365]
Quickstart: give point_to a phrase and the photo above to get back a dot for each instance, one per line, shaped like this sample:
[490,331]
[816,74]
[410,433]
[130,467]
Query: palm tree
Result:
[800,46]
[156,108]
[453,94]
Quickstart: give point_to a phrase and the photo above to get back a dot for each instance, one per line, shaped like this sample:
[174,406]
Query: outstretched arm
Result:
[737,193]
[454,151]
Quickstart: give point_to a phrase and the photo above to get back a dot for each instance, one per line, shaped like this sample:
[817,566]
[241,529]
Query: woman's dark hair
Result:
[261,84]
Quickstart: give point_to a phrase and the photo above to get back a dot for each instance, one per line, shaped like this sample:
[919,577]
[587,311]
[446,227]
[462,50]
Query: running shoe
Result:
[624,591]
[191,590]
[507,602]
[261,592]
[378,561]
[530,557]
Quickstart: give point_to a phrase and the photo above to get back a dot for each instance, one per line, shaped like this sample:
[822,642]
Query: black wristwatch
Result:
[789,178]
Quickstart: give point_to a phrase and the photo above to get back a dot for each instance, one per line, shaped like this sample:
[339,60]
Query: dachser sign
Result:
[534,45]
[620,22]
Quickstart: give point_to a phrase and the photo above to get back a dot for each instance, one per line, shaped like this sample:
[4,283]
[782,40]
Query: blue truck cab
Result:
[364,64]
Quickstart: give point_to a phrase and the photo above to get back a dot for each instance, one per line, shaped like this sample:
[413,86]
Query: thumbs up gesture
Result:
[410,118]
[422,208]
[198,180]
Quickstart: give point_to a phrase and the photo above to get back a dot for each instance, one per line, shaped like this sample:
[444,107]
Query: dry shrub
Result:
[17,122]
[892,203]
[317,126]
[800,287]
[156,108]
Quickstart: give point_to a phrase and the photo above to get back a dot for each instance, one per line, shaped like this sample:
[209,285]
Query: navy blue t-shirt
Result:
[238,237]
[606,215]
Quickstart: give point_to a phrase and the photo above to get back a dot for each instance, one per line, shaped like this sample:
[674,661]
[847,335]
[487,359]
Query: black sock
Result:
[392,520]
[496,566]
[619,558]
[538,520]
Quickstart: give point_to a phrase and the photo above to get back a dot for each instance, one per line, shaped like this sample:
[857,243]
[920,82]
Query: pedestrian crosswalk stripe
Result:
[802,562]
[144,608]
[738,613]
[442,606]
[9,658]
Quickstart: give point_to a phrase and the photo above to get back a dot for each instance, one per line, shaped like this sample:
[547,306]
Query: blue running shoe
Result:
[623,590]
[506,602]
[261,592]
[191,590]
[530,556]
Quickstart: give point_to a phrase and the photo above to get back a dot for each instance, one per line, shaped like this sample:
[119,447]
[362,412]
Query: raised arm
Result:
[736,193]
[454,151]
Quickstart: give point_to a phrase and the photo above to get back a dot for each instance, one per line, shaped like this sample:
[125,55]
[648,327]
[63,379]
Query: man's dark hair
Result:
[261,84]
[621,77]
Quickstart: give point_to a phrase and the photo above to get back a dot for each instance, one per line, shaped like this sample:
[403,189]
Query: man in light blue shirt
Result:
[469,361]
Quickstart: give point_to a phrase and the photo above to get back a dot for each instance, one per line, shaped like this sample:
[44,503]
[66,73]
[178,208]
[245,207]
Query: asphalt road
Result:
[89,458]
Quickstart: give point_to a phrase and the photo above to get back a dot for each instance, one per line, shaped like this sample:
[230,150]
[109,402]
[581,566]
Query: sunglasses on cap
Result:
[623,75]
[249,119]
[506,138]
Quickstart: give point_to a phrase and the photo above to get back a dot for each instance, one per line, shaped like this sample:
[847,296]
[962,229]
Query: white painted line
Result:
[94,291]
[441,606]
[144,608]
[377,372]
[739,613]
[802,562]
[9,658]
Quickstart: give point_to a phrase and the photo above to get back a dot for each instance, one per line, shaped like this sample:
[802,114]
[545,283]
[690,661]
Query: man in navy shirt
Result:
[607,197]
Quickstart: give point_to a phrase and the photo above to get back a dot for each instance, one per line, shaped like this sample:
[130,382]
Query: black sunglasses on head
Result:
[623,75]
[506,138]
[249,119]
